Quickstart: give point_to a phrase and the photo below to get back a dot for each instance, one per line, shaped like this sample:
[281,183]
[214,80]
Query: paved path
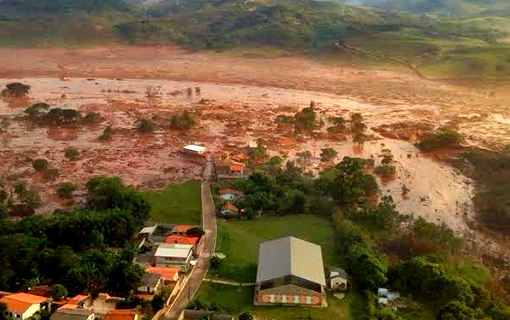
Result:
[200,270]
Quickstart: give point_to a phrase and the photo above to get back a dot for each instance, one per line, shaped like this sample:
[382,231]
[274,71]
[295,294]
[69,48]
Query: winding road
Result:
[202,266]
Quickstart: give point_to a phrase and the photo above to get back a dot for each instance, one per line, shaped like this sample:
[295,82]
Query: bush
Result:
[65,190]
[40,164]
[157,303]
[444,138]
[37,111]
[385,170]
[16,90]
[72,153]
[146,126]
[245,316]
[456,310]
[58,291]
[215,262]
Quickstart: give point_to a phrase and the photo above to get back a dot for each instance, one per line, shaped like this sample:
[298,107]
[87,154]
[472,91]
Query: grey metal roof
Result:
[71,314]
[150,279]
[290,256]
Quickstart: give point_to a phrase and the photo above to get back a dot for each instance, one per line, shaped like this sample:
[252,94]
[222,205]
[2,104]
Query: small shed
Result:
[338,279]
[194,149]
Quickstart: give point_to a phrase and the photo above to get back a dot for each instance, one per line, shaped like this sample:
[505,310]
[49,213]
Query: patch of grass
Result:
[180,203]
[468,270]
[235,300]
[239,241]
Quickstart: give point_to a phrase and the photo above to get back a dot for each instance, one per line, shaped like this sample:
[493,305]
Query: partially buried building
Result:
[290,272]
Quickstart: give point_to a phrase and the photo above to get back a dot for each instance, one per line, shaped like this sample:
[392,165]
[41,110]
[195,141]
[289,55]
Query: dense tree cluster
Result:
[76,249]
[15,90]
[443,138]
[42,113]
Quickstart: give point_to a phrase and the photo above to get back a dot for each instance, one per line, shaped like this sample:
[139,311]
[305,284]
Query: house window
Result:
[296,299]
[284,298]
[308,300]
[272,298]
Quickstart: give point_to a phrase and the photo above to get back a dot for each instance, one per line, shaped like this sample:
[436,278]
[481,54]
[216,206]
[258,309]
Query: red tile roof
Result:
[119,314]
[20,302]
[181,239]
[73,303]
[226,191]
[169,274]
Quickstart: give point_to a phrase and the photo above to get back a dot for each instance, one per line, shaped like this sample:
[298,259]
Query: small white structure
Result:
[174,255]
[382,296]
[338,279]
[194,149]
[148,230]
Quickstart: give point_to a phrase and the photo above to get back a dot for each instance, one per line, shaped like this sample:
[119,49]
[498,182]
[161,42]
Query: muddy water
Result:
[228,115]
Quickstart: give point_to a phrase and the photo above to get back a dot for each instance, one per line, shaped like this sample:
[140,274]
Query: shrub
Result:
[444,138]
[456,310]
[328,154]
[157,303]
[245,316]
[37,111]
[66,189]
[146,126]
[16,90]
[58,291]
[40,164]
[385,170]
[215,262]
[72,153]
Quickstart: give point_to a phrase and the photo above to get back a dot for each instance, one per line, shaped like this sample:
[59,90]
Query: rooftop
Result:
[173,250]
[290,256]
[182,228]
[71,314]
[75,302]
[195,148]
[118,314]
[177,239]
[169,274]
[150,279]
[20,302]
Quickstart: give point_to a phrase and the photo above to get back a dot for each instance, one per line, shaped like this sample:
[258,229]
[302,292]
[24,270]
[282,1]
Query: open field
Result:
[236,300]
[239,241]
[180,203]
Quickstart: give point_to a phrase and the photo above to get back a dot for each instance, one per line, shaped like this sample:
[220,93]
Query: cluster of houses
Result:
[170,252]
[22,306]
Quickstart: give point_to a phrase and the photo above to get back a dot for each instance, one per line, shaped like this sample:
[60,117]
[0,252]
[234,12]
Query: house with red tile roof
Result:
[79,301]
[24,305]
[169,274]
[122,314]
[181,239]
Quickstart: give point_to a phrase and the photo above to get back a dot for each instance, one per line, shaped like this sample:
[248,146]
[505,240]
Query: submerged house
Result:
[290,272]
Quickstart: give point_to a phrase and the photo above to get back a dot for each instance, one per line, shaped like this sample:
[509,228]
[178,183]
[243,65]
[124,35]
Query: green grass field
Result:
[180,203]
[239,241]
[235,300]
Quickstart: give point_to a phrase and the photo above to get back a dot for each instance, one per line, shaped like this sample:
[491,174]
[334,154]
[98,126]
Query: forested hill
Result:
[441,7]
[26,9]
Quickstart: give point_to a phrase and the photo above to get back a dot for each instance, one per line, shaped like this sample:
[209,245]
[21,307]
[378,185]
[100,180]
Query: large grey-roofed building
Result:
[72,314]
[290,271]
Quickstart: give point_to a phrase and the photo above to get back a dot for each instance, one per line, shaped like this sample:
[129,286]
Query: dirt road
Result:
[198,274]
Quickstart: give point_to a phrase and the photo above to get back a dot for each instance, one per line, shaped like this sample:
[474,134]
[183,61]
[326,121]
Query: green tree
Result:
[183,121]
[157,303]
[72,154]
[92,118]
[26,196]
[328,154]
[65,190]
[3,312]
[58,291]
[275,161]
[16,90]
[456,310]
[37,111]
[4,195]
[304,158]
[40,164]
[369,270]
[305,120]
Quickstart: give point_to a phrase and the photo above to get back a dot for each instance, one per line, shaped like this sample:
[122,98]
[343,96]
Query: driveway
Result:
[200,270]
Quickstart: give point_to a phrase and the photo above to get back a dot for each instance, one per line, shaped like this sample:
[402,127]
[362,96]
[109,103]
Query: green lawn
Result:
[180,203]
[240,240]
[235,300]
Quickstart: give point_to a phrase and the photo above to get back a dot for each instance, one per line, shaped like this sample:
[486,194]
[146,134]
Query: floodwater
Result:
[228,115]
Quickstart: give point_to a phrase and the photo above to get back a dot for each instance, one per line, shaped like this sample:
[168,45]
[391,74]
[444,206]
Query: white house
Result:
[174,255]
[21,306]
[194,149]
